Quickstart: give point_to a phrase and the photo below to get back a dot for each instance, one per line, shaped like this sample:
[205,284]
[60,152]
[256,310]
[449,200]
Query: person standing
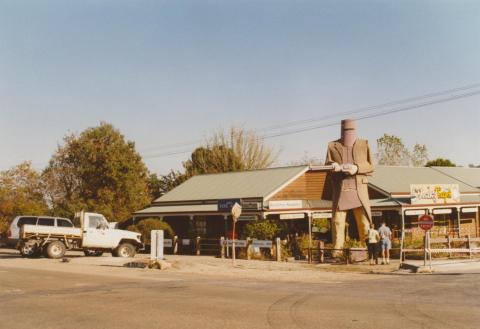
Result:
[386,242]
[372,240]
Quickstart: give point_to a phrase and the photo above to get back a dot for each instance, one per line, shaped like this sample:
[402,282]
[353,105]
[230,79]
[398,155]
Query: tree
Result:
[21,193]
[262,229]
[391,151]
[440,162]
[419,156]
[235,150]
[159,186]
[97,171]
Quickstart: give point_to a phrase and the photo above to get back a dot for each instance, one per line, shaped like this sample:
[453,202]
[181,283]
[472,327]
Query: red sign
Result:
[425,222]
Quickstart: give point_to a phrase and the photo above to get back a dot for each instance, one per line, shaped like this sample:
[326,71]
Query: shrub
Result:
[145,226]
[262,230]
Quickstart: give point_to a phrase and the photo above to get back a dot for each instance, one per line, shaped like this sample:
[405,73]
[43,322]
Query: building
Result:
[299,197]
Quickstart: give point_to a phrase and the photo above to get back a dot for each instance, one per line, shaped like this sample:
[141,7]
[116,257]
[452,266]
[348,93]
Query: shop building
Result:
[299,197]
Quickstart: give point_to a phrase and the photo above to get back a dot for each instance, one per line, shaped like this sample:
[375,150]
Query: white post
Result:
[156,249]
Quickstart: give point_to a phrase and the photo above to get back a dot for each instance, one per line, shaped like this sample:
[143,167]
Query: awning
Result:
[186,209]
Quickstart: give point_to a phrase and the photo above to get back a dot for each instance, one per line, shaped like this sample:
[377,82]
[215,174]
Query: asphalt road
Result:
[32,298]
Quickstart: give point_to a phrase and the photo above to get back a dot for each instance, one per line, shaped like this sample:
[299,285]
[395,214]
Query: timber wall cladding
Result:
[309,186]
[314,185]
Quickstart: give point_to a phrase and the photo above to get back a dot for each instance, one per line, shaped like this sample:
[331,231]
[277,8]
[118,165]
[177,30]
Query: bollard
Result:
[278,249]
[321,256]
[197,246]
[469,246]
[175,245]
[222,247]
[249,249]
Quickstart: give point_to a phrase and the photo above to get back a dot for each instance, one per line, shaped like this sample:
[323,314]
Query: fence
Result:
[466,245]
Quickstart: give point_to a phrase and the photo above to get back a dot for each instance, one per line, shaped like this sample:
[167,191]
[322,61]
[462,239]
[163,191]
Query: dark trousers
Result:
[372,251]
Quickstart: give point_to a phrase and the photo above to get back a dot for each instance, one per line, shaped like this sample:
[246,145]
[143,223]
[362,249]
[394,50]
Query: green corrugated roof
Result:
[394,179]
[470,176]
[245,184]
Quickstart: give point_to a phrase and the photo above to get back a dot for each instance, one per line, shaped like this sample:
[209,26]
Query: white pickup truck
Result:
[94,236]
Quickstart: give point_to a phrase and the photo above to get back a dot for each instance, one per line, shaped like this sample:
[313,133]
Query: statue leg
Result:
[339,229]
[362,221]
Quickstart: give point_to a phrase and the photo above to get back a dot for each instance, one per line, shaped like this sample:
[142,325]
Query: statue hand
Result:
[336,167]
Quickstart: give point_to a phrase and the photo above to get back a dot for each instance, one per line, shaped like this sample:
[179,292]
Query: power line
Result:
[323,118]
[358,111]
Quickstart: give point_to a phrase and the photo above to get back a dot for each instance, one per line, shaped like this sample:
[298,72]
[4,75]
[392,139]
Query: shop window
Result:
[201,226]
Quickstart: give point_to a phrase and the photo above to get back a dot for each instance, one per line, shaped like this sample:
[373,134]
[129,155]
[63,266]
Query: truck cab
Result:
[98,236]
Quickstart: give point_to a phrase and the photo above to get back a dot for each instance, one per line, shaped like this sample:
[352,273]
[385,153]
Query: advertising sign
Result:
[434,193]
[227,204]
[285,204]
[238,243]
[167,243]
[292,216]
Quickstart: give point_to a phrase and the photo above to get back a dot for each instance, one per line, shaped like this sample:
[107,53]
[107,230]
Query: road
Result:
[43,298]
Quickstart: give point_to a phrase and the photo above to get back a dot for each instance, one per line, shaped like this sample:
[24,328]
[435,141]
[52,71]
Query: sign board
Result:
[185,242]
[320,215]
[247,218]
[425,222]
[251,205]
[292,216]
[157,244]
[262,243]
[442,211]
[377,213]
[167,243]
[469,210]
[285,204]
[434,193]
[227,204]
[236,211]
[415,212]
[238,243]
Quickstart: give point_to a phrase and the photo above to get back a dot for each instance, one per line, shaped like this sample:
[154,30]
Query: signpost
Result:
[236,212]
[426,222]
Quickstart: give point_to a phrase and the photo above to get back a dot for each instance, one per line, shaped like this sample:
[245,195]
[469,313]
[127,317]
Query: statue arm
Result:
[366,167]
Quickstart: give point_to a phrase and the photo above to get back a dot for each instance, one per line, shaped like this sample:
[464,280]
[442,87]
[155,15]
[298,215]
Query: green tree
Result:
[440,162]
[97,170]
[21,193]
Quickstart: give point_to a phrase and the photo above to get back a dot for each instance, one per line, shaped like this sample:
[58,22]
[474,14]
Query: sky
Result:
[172,72]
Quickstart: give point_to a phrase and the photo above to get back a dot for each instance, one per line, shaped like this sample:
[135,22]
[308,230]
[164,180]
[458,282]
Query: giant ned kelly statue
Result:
[352,163]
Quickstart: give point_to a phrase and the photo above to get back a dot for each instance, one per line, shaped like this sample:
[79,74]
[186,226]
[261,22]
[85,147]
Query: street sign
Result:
[262,243]
[236,211]
[425,222]
[227,204]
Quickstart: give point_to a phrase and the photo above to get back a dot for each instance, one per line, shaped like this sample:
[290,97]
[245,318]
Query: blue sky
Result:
[168,72]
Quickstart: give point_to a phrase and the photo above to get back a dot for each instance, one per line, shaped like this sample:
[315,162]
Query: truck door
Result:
[95,232]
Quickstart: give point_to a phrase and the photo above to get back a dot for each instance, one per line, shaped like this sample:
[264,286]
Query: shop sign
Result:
[238,243]
[247,218]
[285,204]
[227,204]
[442,211]
[262,244]
[292,216]
[415,212]
[167,243]
[319,215]
[251,205]
[377,214]
[434,193]
[469,210]
[185,242]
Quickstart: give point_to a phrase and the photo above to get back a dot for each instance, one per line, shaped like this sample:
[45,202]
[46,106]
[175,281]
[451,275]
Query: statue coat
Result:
[362,158]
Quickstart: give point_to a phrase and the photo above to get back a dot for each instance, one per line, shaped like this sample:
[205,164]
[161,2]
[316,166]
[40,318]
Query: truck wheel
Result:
[29,249]
[55,250]
[93,253]
[125,250]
